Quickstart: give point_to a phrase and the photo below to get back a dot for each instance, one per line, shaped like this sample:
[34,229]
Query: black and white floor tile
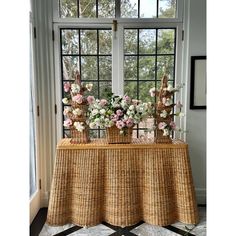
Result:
[140,229]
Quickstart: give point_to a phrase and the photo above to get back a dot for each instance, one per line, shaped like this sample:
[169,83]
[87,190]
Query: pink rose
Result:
[78,98]
[162,125]
[173,125]
[103,102]
[67,122]
[67,86]
[114,117]
[119,112]
[120,124]
[90,99]
[129,122]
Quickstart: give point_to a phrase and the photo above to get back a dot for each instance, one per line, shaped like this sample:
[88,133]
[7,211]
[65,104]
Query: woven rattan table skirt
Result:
[122,184]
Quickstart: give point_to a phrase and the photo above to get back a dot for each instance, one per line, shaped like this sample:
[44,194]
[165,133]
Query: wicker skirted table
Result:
[122,184]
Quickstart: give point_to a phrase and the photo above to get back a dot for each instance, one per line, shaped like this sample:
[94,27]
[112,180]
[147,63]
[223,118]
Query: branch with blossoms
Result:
[75,96]
[165,106]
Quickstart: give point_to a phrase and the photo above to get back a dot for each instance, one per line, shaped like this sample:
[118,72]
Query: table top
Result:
[103,144]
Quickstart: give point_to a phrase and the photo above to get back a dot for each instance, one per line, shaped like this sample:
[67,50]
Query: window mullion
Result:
[117,61]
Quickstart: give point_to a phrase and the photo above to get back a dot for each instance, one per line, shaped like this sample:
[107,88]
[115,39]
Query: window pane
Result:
[165,63]
[93,133]
[88,41]
[106,8]
[144,88]
[70,66]
[147,41]
[89,68]
[94,91]
[68,8]
[147,67]
[130,41]
[166,41]
[167,9]
[130,88]
[129,8]
[104,89]
[105,70]
[148,8]
[130,68]
[87,8]
[70,42]
[105,37]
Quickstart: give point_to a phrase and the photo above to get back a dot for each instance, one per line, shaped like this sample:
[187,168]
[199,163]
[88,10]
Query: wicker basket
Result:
[159,138]
[113,135]
[79,137]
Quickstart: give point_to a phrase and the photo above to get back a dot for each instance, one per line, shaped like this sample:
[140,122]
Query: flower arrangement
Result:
[164,110]
[74,96]
[119,111]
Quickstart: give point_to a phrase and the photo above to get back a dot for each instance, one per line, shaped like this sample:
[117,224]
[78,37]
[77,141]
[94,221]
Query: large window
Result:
[125,56]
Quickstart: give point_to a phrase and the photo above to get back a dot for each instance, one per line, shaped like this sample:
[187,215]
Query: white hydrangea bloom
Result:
[75,88]
[77,112]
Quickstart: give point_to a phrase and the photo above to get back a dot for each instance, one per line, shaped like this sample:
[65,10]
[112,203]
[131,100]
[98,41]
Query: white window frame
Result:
[117,48]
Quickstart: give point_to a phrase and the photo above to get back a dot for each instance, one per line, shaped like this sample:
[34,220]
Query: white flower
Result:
[79,126]
[164,114]
[75,88]
[102,111]
[65,100]
[94,112]
[170,88]
[131,107]
[166,132]
[77,112]
[180,114]
[168,102]
[89,86]
[92,125]
[152,92]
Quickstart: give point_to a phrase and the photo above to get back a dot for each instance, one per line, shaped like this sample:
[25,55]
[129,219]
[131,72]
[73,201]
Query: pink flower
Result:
[67,86]
[127,98]
[67,122]
[103,102]
[152,92]
[114,117]
[162,125]
[78,98]
[120,124]
[129,122]
[119,112]
[173,125]
[90,99]
[178,104]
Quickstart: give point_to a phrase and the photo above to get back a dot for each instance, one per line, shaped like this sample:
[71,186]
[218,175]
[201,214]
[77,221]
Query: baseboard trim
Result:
[201,196]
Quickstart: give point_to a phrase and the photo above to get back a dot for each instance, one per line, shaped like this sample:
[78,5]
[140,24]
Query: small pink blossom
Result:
[152,92]
[129,122]
[114,117]
[120,124]
[173,125]
[178,104]
[78,98]
[90,99]
[67,86]
[103,102]
[119,112]
[162,125]
[127,98]
[67,122]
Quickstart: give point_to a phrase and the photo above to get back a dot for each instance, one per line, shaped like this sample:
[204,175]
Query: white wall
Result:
[195,45]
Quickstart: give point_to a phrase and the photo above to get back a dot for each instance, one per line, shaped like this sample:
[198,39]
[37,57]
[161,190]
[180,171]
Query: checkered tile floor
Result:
[141,229]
